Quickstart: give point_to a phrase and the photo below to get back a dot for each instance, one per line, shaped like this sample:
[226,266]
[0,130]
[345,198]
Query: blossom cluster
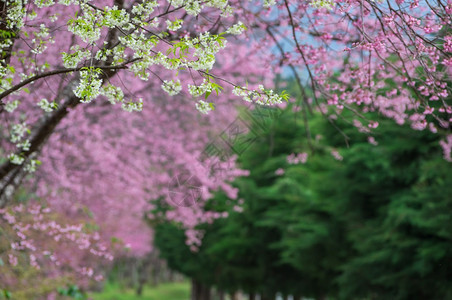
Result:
[36,238]
[236,29]
[204,107]
[172,87]
[294,159]
[260,96]
[46,106]
[89,85]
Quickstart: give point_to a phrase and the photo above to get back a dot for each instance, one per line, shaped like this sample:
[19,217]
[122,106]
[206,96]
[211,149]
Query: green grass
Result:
[164,291]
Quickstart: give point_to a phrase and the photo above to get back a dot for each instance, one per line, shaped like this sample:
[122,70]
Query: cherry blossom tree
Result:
[98,49]
[117,100]
[390,57]
[104,160]
[41,249]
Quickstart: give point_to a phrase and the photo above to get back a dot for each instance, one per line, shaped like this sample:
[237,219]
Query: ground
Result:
[173,291]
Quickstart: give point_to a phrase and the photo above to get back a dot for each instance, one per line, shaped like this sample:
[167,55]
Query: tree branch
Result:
[61,71]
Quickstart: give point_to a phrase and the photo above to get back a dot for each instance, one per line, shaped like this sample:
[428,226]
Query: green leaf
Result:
[284,95]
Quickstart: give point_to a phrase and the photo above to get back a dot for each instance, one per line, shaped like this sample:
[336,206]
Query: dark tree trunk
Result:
[194,289]
[200,291]
[156,270]
[252,296]
[140,289]
[205,292]
[268,297]
[235,296]
[220,295]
